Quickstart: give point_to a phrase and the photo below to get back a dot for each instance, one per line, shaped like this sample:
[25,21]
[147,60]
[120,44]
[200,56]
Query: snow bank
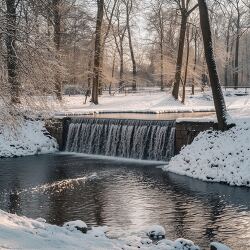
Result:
[217,156]
[27,138]
[23,233]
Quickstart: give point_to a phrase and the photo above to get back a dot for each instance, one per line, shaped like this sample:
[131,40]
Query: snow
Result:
[185,245]
[76,225]
[217,156]
[24,233]
[156,102]
[156,231]
[27,138]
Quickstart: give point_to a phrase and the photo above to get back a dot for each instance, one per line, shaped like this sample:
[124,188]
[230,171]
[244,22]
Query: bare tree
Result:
[219,102]
[56,5]
[240,11]
[229,28]
[186,68]
[11,14]
[129,8]
[157,22]
[109,16]
[185,10]
[119,32]
[97,53]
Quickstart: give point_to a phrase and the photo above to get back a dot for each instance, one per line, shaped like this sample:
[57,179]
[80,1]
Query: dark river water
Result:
[126,196]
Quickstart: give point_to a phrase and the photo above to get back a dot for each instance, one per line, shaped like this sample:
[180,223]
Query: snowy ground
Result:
[23,233]
[159,102]
[26,138]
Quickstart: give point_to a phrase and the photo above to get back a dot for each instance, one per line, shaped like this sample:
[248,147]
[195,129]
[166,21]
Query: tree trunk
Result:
[247,64]
[113,65]
[184,18]
[103,43]
[227,55]
[242,70]
[133,60]
[57,41]
[131,48]
[162,60]
[195,59]
[121,66]
[161,48]
[218,97]
[236,59]
[11,51]
[100,85]
[186,69]
[97,55]
[231,61]
[90,67]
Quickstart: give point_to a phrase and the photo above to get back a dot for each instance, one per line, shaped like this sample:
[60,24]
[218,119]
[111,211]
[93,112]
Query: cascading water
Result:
[138,139]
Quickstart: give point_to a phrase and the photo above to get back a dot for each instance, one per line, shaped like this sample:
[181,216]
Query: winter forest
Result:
[125,124]
[48,46]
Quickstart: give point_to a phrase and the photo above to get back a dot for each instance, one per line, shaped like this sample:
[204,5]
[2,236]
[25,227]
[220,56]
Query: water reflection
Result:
[125,196]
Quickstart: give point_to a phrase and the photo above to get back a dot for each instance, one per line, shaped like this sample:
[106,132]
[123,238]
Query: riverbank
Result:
[24,233]
[28,137]
[217,156]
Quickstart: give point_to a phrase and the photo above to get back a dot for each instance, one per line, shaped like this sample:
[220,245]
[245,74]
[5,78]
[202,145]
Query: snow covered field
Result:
[23,233]
[157,103]
[26,138]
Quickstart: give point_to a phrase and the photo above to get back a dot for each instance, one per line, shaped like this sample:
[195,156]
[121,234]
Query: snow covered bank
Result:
[23,233]
[27,138]
[217,156]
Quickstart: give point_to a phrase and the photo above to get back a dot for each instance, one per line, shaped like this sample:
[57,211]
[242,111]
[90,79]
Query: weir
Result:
[137,139]
[130,138]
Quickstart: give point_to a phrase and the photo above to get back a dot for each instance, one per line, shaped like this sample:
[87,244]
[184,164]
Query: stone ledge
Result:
[186,131]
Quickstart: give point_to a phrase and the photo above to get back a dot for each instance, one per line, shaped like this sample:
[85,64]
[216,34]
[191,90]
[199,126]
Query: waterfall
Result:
[138,139]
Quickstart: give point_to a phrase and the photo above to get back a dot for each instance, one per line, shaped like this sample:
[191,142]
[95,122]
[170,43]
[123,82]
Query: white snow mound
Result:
[217,156]
[28,138]
[156,230]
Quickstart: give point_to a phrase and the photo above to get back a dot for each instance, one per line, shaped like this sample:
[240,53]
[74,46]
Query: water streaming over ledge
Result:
[137,139]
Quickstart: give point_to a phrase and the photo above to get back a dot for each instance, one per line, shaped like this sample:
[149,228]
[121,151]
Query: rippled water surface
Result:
[124,196]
